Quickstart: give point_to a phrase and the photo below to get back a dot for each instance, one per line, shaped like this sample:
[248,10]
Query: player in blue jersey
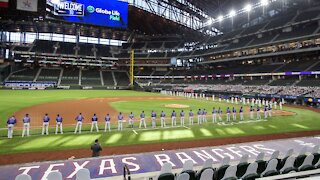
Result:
[120,118]
[79,120]
[214,115]
[204,116]
[181,118]
[199,113]
[107,125]
[241,113]
[153,119]
[228,114]
[59,124]
[220,114]
[265,112]
[142,120]
[131,117]
[190,118]
[163,119]
[173,118]
[94,122]
[11,122]
[45,125]
[258,113]
[234,114]
[251,112]
[270,110]
[26,125]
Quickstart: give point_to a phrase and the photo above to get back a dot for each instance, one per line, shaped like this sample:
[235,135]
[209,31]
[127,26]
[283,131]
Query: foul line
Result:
[135,131]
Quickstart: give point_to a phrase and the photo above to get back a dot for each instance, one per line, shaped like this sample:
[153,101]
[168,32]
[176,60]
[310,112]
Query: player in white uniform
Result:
[190,118]
[94,122]
[59,124]
[163,119]
[11,122]
[214,115]
[142,120]
[120,118]
[107,125]
[199,116]
[204,116]
[45,125]
[26,125]
[228,114]
[241,114]
[153,119]
[181,118]
[173,118]
[131,116]
[79,120]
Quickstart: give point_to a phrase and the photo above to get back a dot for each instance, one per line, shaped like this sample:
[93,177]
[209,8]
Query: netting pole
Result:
[131,69]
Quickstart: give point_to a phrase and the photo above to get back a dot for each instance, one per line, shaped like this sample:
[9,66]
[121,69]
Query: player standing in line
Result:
[234,114]
[79,120]
[190,117]
[26,125]
[94,122]
[120,118]
[162,119]
[153,119]
[45,126]
[173,118]
[11,122]
[265,112]
[131,116]
[275,104]
[220,114]
[270,110]
[280,105]
[228,114]
[59,124]
[251,112]
[142,120]
[107,125]
[241,114]
[258,113]
[214,115]
[199,116]
[181,118]
[204,116]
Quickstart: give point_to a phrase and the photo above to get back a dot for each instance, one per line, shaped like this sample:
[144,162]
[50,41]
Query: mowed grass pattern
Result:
[304,120]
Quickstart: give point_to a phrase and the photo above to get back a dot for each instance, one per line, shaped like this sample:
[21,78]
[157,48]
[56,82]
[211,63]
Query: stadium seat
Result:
[271,169]
[188,168]
[284,159]
[242,166]
[307,163]
[207,174]
[206,165]
[317,165]
[166,172]
[288,165]
[183,176]
[222,169]
[230,173]
[251,172]
[316,154]
[54,175]
[23,177]
[300,158]
[261,163]
[83,174]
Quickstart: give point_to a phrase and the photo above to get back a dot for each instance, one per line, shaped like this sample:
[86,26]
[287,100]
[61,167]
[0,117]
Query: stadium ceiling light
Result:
[264,2]
[220,18]
[210,21]
[232,13]
[248,7]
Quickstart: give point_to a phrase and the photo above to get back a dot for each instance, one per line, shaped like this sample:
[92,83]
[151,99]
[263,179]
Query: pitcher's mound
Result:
[177,105]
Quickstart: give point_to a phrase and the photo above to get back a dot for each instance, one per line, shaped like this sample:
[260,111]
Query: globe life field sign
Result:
[111,13]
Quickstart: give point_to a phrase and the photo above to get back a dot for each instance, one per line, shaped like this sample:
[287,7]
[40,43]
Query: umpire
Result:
[96,148]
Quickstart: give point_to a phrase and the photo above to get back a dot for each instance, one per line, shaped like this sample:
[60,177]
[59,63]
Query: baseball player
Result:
[234,114]
[107,126]
[131,116]
[280,105]
[270,111]
[26,125]
[162,119]
[11,122]
[251,112]
[228,114]
[59,124]
[79,120]
[120,118]
[190,118]
[265,112]
[142,120]
[153,119]
[199,116]
[214,115]
[45,126]
[181,118]
[220,114]
[275,104]
[258,113]
[204,116]
[241,114]
[94,122]
[173,118]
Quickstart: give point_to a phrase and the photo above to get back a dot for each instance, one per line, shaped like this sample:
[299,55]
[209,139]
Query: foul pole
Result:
[131,68]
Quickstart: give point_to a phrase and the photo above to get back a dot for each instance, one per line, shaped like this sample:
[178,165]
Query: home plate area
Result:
[148,165]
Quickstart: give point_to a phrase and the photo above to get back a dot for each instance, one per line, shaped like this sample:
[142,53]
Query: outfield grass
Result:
[304,120]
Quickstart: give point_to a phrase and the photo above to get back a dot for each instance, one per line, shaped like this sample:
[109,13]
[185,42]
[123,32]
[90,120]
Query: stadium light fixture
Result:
[232,13]
[210,21]
[220,18]
[248,7]
[264,2]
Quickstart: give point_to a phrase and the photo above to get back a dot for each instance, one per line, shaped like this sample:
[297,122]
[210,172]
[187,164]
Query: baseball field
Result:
[69,103]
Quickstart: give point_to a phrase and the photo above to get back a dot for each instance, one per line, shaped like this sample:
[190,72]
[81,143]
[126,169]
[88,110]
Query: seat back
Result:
[261,166]
[299,160]
[260,156]
[54,175]
[307,163]
[83,174]
[230,173]
[188,165]
[166,168]
[241,169]
[23,177]
[252,169]
[244,159]
[275,155]
[207,164]
[225,161]
[183,176]
[288,165]
[207,174]
[271,166]
[315,149]
[289,153]
[221,171]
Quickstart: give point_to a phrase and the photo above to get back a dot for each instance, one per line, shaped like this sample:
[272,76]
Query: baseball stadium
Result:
[159,89]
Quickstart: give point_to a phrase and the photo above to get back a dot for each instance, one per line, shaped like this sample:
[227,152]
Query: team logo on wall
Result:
[90,9]
[68,8]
